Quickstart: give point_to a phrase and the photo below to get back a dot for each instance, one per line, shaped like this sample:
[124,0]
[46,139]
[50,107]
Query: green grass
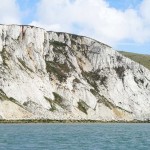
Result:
[82,106]
[68,121]
[120,71]
[15,101]
[59,100]
[91,78]
[76,80]
[4,97]
[52,103]
[60,70]
[94,92]
[140,58]
[57,44]
[5,56]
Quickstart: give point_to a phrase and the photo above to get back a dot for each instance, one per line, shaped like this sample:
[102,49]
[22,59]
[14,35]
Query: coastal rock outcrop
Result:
[51,75]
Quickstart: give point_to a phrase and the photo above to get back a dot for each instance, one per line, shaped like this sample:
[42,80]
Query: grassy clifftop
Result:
[140,58]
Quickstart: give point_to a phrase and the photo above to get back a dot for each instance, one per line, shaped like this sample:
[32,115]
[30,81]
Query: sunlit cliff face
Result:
[64,76]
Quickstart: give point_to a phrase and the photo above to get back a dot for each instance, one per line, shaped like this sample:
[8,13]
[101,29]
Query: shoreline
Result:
[27,121]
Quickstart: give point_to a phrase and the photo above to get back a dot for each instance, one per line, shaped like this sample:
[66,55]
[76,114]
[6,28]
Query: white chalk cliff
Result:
[62,76]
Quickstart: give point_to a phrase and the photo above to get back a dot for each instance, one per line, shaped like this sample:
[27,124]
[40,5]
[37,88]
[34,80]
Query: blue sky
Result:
[123,24]
[28,8]
[124,4]
[30,5]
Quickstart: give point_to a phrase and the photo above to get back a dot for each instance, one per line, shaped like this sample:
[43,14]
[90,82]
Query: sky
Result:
[122,24]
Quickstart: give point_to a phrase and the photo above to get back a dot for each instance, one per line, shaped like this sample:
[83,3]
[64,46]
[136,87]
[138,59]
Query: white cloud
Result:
[95,18]
[9,12]
[49,27]
[145,11]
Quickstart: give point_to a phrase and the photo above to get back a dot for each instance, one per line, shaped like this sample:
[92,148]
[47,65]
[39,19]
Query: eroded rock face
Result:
[64,76]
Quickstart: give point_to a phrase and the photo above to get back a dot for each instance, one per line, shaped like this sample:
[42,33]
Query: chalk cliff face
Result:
[63,76]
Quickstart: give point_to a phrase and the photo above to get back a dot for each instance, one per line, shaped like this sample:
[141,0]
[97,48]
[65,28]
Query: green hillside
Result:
[140,58]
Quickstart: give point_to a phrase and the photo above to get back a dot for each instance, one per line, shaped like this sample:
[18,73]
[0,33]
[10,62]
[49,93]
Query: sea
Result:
[73,136]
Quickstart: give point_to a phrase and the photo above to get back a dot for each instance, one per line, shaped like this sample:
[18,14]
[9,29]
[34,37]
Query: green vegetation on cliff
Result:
[140,58]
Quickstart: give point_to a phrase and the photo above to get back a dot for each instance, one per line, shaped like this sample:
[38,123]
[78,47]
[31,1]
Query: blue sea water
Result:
[75,136]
